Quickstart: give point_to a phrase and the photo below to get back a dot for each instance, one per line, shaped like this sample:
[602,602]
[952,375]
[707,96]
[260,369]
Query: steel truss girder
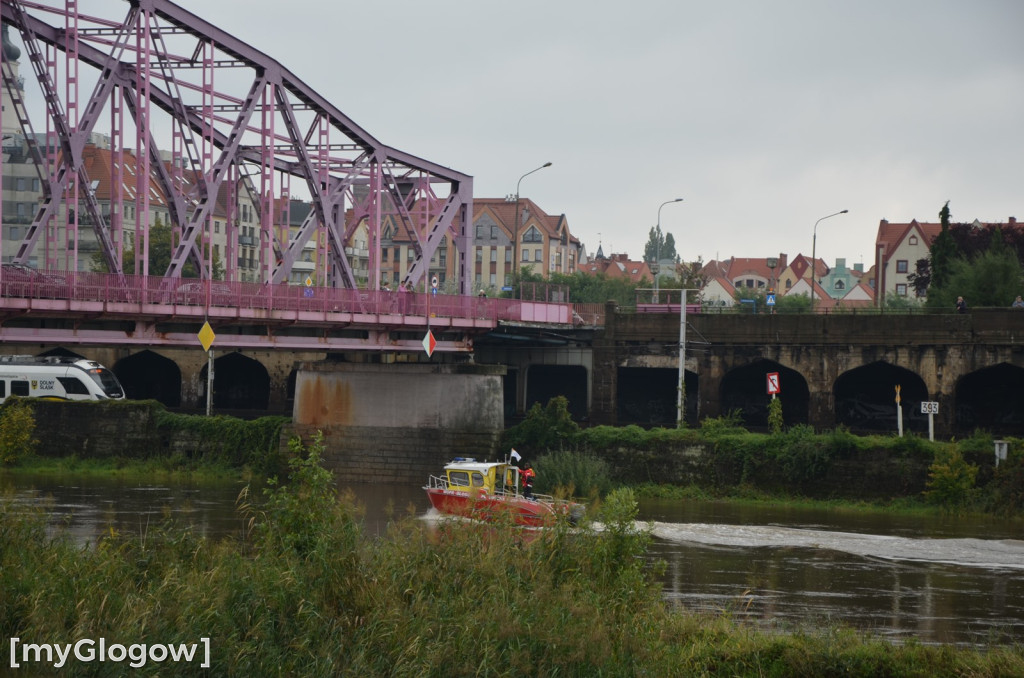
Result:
[295,155]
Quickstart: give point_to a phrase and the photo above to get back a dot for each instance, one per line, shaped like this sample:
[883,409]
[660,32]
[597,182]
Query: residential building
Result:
[546,245]
[618,266]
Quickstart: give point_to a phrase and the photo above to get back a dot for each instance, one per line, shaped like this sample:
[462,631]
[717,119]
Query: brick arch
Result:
[744,389]
[865,398]
[991,398]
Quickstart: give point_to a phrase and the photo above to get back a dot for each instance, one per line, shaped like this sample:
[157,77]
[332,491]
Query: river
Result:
[935,579]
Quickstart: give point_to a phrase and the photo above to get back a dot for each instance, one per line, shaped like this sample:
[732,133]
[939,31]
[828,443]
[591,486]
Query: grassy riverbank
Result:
[306,592]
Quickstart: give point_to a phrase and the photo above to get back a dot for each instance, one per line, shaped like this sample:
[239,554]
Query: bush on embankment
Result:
[307,593]
[120,430]
[721,456]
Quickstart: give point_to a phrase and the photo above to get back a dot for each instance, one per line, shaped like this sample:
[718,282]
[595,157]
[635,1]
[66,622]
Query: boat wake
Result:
[984,553]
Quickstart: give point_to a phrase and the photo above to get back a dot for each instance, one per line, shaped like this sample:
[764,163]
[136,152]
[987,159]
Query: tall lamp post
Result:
[681,396]
[657,248]
[515,226]
[814,254]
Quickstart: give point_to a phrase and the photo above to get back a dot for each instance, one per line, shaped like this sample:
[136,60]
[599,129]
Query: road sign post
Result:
[931,408]
[206,338]
[899,412]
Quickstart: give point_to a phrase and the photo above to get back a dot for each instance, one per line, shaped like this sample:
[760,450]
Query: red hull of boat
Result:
[491,508]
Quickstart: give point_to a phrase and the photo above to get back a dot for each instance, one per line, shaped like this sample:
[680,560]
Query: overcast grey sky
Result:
[764,116]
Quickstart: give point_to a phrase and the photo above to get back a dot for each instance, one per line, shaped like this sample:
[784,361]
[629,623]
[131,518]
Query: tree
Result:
[160,252]
[993,278]
[943,252]
[660,246]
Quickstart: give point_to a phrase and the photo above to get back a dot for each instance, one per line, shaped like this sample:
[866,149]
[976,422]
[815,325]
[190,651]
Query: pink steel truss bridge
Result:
[164,82]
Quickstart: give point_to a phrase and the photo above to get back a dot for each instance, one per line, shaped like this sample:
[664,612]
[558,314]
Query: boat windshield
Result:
[465,478]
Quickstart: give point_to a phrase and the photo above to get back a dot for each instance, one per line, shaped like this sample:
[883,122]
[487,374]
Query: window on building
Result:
[494,232]
[901,290]
[913,240]
[442,259]
[901,266]
[508,256]
[384,255]
[20,184]
[410,254]
[526,255]
[532,235]
[479,231]
[494,255]
[840,285]
[479,255]
[538,256]
[494,278]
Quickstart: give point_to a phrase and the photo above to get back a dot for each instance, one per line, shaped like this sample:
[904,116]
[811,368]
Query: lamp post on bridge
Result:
[515,226]
[656,268]
[681,396]
[814,247]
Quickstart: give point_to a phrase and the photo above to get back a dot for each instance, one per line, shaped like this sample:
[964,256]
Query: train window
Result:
[19,388]
[73,386]
[3,388]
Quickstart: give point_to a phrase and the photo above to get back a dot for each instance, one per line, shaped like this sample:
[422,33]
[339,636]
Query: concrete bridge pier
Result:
[399,422]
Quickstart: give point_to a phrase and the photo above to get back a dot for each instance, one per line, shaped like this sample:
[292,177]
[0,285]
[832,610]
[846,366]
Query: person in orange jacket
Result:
[528,474]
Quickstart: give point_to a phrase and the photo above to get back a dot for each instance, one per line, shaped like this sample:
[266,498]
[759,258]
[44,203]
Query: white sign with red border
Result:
[773,383]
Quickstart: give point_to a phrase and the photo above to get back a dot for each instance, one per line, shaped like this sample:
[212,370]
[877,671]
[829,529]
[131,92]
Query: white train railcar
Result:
[57,378]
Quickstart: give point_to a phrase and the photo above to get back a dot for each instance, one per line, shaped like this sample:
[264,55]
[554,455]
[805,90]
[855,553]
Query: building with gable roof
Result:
[898,247]
[546,244]
[618,266]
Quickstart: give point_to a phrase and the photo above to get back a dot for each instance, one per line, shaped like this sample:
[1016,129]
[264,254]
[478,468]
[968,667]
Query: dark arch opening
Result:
[745,389]
[148,375]
[544,382]
[865,398]
[648,396]
[239,383]
[992,399]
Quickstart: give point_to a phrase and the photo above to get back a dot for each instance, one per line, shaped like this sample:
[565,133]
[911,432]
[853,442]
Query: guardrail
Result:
[128,293]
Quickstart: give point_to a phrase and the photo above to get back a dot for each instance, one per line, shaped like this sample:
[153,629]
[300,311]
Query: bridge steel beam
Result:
[234,112]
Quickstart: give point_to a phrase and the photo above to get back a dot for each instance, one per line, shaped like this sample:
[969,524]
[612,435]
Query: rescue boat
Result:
[490,491]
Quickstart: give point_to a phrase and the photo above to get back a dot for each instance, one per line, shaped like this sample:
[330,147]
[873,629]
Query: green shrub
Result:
[573,472]
[775,415]
[950,479]
[544,429]
[17,426]
[726,424]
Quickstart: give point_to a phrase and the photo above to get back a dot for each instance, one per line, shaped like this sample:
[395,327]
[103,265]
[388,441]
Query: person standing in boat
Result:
[528,474]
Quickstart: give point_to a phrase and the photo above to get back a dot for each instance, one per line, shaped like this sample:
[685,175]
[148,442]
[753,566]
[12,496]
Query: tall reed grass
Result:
[308,593]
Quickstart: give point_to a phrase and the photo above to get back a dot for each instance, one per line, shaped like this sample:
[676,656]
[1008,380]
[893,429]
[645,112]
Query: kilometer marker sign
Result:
[429,343]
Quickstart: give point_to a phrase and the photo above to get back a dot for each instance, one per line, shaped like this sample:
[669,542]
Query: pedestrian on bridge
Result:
[961,305]
[1017,303]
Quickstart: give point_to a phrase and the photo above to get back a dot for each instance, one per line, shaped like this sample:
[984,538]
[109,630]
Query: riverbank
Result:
[306,592]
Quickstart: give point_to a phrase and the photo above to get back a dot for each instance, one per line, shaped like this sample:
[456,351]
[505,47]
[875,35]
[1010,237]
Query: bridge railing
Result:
[42,288]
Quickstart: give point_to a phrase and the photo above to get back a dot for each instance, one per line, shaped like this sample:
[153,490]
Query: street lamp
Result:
[515,226]
[681,396]
[657,247]
[814,254]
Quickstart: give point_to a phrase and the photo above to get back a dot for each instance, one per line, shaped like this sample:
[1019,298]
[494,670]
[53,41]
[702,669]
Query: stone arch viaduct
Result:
[837,369]
[834,369]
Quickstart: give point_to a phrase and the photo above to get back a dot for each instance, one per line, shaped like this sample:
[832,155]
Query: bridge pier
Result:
[399,422]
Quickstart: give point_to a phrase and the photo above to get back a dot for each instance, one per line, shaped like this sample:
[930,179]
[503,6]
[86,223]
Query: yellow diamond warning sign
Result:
[206,336]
